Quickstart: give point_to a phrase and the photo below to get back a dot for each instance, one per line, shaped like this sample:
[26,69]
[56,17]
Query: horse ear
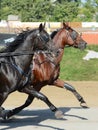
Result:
[65,25]
[40,27]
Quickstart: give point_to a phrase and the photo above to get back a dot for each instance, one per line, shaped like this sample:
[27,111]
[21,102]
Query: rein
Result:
[8,54]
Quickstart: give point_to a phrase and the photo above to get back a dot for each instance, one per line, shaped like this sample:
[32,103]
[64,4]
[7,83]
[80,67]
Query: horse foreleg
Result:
[62,84]
[32,92]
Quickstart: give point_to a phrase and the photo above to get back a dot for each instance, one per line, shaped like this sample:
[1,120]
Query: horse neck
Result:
[59,42]
[60,56]
[60,39]
[24,60]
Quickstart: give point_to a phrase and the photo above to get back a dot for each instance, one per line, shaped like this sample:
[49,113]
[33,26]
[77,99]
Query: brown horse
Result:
[46,67]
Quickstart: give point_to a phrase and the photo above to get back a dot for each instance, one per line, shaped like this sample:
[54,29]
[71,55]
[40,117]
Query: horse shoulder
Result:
[42,68]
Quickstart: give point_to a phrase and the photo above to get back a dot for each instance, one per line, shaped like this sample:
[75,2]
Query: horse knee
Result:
[69,87]
[42,97]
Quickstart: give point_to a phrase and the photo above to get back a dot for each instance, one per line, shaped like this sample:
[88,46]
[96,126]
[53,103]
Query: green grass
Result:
[74,68]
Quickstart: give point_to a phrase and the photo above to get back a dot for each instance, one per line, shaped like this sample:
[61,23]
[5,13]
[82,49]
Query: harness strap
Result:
[20,71]
[8,54]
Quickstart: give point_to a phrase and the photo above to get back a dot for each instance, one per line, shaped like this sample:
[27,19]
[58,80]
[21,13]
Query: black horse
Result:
[46,63]
[15,65]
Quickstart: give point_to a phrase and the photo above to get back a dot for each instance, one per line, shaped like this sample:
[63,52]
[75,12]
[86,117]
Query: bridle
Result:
[43,38]
[74,38]
[68,35]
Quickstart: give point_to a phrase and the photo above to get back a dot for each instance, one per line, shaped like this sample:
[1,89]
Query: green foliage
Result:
[39,10]
[87,11]
[65,12]
[74,68]
[50,10]
[97,18]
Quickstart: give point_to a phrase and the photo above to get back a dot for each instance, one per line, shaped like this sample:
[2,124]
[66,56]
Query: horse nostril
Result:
[82,45]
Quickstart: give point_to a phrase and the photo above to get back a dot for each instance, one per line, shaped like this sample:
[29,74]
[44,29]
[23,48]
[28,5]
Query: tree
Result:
[40,10]
[65,12]
[87,11]
[95,2]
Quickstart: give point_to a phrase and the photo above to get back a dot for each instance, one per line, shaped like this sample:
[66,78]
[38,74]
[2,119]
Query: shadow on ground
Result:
[35,117]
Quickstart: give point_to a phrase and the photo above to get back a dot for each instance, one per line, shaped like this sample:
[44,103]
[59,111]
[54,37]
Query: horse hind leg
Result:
[32,94]
[16,110]
[1,111]
[77,95]
[62,84]
[3,97]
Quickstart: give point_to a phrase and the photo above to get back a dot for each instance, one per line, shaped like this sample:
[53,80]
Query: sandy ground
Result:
[38,116]
[60,97]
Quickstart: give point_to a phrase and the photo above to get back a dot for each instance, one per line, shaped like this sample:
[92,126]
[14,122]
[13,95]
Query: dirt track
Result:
[60,97]
[38,116]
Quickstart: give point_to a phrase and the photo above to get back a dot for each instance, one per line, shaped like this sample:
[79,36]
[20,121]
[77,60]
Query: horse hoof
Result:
[59,114]
[84,105]
[1,109]
[3,115]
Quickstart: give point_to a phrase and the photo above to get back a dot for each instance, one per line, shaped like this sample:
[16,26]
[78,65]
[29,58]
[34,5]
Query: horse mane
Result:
[12,46]
[53,34]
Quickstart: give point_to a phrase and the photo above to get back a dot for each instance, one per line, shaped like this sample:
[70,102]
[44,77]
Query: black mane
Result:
[12,46]
[53,34]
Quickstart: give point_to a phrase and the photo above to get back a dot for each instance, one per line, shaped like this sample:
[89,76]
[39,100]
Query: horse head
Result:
[61,38]
[78,40]
[40,38]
